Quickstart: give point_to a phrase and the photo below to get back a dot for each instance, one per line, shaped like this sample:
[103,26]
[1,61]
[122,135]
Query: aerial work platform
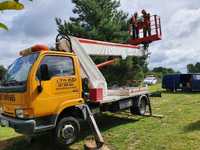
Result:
[156,32]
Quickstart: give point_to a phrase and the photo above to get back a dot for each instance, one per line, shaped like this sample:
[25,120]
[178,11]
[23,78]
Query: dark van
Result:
[181,82]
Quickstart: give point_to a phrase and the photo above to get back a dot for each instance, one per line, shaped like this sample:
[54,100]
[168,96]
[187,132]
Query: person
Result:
[146,23]
[134,26]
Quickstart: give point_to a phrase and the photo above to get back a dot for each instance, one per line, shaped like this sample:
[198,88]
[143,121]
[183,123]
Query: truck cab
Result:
[37,88]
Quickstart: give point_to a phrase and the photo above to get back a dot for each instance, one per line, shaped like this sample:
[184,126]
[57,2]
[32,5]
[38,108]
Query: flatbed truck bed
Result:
[134,98]
[124,93]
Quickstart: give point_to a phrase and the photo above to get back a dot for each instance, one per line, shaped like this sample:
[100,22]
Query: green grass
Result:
[7,133]
[179,129]
[155,88]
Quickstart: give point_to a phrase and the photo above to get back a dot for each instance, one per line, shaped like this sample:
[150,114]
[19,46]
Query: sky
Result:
[36,24]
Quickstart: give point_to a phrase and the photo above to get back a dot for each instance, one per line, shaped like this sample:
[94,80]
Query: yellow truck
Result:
[52,90]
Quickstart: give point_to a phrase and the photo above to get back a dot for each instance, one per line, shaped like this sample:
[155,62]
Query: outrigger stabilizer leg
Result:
[98,137]
[150,111]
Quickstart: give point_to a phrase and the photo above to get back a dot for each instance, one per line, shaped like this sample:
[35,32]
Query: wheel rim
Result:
[67,134]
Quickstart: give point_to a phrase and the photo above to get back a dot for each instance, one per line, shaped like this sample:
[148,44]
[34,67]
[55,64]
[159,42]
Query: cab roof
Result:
[57,52]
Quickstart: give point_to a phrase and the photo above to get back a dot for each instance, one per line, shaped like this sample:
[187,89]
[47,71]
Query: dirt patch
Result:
[90,144]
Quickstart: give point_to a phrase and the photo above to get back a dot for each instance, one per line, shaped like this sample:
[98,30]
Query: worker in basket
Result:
[146,23]
[133,28]
[139,22]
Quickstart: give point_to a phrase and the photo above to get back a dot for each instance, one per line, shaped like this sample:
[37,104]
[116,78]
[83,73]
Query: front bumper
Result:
[21,126]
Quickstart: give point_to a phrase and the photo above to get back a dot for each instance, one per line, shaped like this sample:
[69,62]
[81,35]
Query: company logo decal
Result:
[10,98]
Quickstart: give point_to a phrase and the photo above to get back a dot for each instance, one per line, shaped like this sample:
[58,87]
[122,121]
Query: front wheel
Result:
[67,131]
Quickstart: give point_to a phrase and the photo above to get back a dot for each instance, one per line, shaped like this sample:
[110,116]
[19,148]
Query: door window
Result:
[59,66]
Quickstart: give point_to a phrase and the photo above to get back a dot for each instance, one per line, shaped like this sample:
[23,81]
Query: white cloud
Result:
[184,22]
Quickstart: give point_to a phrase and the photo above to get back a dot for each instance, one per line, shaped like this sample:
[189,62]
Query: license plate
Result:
[4,123]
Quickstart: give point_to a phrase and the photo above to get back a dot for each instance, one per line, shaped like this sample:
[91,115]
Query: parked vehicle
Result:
[52,90]
[150,80]
[181,82]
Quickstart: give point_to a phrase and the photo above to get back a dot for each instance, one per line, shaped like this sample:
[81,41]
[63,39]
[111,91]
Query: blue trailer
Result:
[181,82]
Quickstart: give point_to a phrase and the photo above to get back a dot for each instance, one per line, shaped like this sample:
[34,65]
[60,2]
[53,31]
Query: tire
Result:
[67,131]
[139,106]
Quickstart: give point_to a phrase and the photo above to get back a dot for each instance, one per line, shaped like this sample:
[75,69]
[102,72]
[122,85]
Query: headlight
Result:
[1,109]
[19,113]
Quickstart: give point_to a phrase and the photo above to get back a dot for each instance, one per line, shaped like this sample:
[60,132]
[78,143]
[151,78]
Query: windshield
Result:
[18,71]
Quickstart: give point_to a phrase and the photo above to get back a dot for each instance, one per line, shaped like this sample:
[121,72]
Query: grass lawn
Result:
[179,129]
[7,133]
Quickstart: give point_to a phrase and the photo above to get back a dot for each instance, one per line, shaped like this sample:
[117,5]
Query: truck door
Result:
[196,82]
[63,86]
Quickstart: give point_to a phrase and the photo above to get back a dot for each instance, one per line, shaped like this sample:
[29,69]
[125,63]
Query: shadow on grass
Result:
[45,142]
[192,127]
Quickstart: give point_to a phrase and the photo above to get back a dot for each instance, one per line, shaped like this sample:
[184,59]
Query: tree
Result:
[190,68]
[162,71]
[193,68]
[2,72]
[10,5]
[102,20]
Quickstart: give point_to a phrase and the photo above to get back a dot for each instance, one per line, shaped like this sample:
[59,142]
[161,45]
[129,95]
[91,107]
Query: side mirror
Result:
[44,72]
[85,83]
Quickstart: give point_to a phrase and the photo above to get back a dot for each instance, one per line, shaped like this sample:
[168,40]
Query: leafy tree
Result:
[190,68]
[102,20]
[96,19]
[193,68]
[162,71]
[10,5]
[2,72]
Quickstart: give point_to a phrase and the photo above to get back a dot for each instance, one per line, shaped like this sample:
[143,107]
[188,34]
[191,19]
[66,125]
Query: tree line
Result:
[193,68]
[160,72]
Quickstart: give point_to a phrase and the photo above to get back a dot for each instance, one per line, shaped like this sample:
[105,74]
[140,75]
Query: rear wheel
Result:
[67,131]
[139,106]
